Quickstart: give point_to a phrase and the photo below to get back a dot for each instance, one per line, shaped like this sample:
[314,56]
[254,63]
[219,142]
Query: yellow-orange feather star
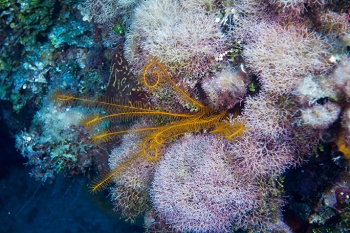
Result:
[153,138]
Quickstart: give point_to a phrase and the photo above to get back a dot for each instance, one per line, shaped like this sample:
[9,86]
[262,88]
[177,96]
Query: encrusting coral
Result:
[321,116]
[341,76]
[55,143]
[226,89]
[311,89]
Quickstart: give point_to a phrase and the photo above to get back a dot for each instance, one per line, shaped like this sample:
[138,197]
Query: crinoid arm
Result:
[64,97]
[155,76]
[229,130]
[102,182]
[117,110]
[106,180]
[130,116]
[115,133]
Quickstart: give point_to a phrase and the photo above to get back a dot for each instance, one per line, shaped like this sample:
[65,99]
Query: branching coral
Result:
[268,157]
[177,37]
[197,188]
[293,8]
[266,148]
[265,118]
[194,189]
[282,56]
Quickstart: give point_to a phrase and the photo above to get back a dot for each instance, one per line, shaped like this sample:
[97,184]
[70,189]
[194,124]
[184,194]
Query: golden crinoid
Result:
[154,137]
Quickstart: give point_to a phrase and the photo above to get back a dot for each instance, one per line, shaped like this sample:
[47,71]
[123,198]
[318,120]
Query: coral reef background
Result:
[194,115]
